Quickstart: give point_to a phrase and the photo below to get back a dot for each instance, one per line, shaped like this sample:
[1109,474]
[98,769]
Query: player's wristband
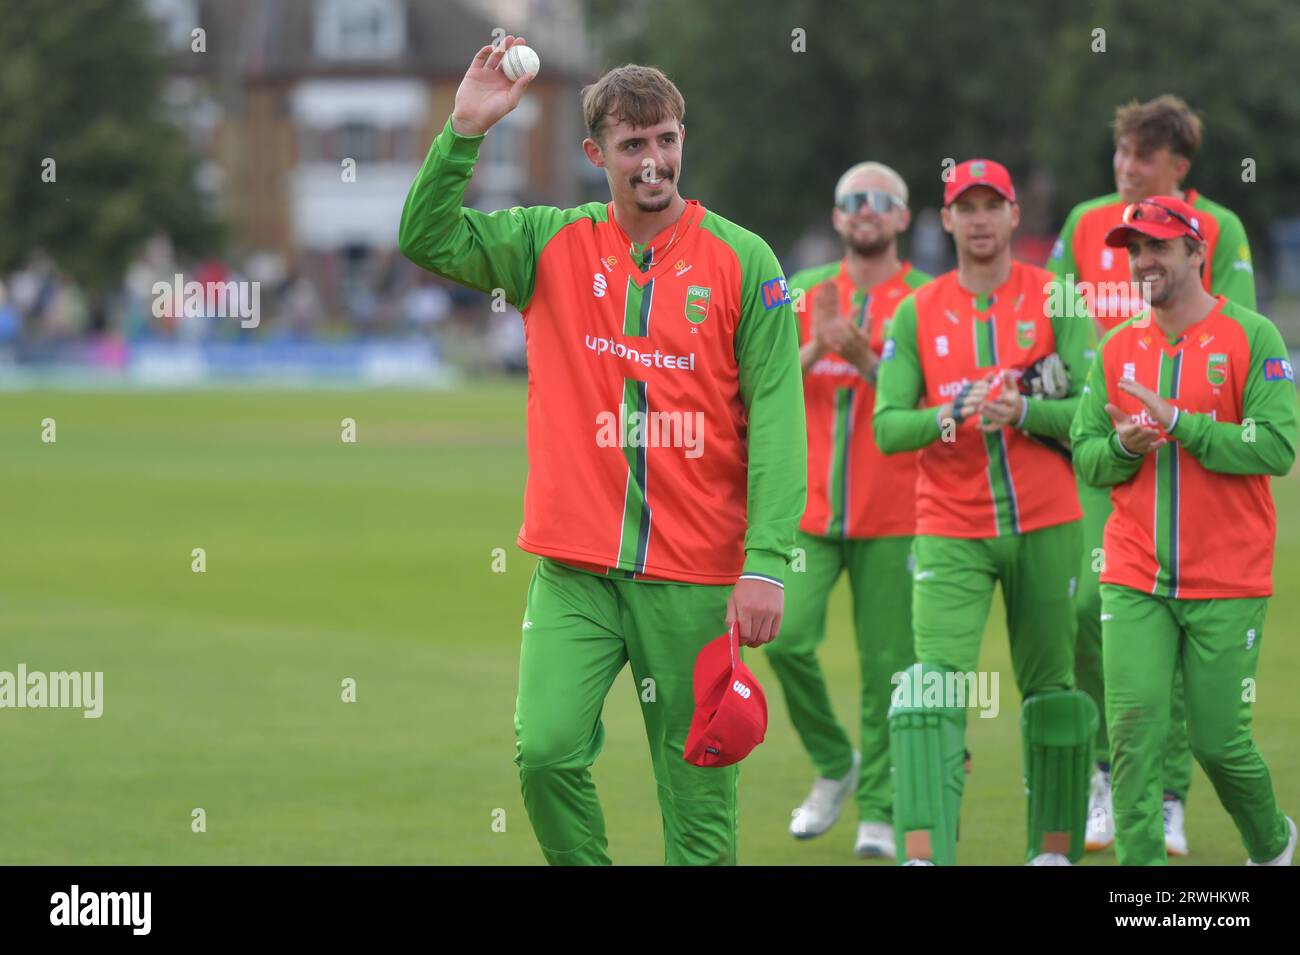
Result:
[1123,451]
[1024,411]
[1172,424]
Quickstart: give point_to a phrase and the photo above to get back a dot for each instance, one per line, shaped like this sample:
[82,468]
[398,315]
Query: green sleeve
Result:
[1099,459]
[1265,441]
[480,250]
[1076,343]
[897,423]
[1232,274]
[771,386]
[1061,262]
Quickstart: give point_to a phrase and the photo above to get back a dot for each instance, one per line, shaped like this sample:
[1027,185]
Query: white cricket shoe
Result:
[875,841]
[1101,814]
[1049,858]
[1287,853]
[1175,838]
[822,807]
[918,862]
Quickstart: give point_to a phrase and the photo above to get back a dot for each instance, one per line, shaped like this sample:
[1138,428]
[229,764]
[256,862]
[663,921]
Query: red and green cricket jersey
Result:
[1009,481]
[853,489]
[1193,519]
[665,428]
[1102,274]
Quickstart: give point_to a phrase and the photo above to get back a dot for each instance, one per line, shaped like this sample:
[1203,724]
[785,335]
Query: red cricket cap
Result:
[730,707]
[1159,217]
[979,172]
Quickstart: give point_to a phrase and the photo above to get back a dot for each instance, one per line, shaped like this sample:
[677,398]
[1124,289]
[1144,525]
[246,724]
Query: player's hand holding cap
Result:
[1160,217]
[730,707]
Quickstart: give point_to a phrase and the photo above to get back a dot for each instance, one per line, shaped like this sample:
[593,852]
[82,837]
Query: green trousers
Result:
[955,577]
[1177,771]
[579,631]
[881,580]
[1215,644]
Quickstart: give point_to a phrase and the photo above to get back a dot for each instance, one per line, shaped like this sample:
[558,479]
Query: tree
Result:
[770,129]
[91,166]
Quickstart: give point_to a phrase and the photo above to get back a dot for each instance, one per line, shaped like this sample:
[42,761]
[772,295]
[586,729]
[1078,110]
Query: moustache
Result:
[664,175]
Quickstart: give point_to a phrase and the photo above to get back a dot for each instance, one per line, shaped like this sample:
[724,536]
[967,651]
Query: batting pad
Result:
[927,745]
[1057,728]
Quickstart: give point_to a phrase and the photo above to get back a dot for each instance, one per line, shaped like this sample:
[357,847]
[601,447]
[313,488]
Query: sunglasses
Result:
[878,201]
[1147,211]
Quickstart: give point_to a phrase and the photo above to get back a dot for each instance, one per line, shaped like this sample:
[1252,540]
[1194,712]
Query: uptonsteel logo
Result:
[650,359]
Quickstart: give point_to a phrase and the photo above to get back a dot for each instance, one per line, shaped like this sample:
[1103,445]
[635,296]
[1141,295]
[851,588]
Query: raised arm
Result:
[484,252]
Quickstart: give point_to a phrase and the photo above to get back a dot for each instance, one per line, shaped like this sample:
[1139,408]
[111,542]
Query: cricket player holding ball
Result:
[649,304]
[1190,407]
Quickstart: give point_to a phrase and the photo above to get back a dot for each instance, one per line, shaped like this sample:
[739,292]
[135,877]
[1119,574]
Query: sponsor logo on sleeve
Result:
[1058,249]
[775,293]
[888,351]
[1278,369]
[1243,259]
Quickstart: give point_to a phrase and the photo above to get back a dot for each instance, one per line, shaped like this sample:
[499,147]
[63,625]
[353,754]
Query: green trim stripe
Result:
[636,308]
[1006,509]
[1002,489]
[986,343]
[634,535]
[1165,530]
[837,483]
[862,304]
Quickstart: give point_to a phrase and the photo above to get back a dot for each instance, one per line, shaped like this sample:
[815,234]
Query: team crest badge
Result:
[697,303]
[1026,332]
[1216,369]
[977,170]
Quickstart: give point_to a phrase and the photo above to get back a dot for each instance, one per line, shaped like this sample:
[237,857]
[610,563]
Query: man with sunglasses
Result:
[995,502]
[1190,407]
[1155,143]
[860,514]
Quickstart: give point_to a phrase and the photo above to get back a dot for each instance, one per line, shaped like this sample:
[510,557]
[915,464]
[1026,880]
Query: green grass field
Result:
[371,561]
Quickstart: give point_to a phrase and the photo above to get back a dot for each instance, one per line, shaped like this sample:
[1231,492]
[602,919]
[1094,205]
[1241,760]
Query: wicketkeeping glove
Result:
[958,400]
[1046,378]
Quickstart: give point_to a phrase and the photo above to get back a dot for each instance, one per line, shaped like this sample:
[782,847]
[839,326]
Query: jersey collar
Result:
[676,253]
[847,290]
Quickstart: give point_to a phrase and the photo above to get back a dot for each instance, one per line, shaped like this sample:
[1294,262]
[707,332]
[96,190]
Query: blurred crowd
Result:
[381,297]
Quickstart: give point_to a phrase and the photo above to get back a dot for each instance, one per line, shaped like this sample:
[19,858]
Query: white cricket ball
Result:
[518,61]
